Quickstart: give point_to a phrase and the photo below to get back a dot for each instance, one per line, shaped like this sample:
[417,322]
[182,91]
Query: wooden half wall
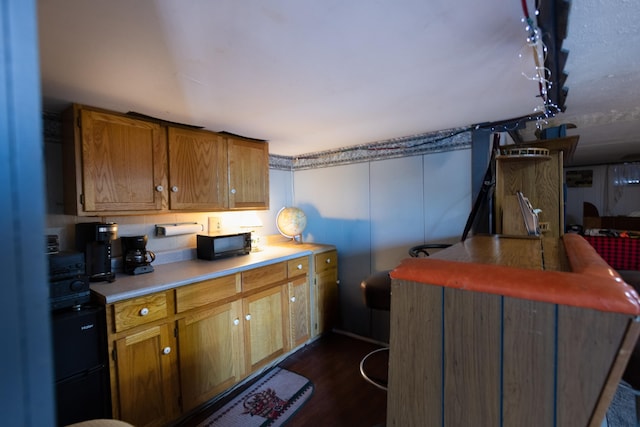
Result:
[463,355]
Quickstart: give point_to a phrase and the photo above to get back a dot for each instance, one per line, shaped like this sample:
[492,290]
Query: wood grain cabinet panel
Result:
[211,352]
[326,314]
[139,311]
[257,278]
[198,179]
[112,163]
[299,318]
[248,173]
[297,267]
[146,377]
[207,292]
[266,326]
[119,164]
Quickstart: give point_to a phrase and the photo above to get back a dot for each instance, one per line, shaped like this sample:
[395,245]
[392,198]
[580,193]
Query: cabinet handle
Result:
[299,267]
[174,189]
[144,311]
[166,350]
[233,191]
[293,299]
[159,188]
[248,317]
[236,321]
[328,261]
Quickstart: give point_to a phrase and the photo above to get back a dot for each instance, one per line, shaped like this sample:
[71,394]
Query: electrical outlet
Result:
[215,224]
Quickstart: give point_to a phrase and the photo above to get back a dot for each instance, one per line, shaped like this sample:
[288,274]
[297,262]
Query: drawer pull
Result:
[328,261]
[236,321]
[166,350]
[144,311]
[293,299]
[248,317]
[299,267]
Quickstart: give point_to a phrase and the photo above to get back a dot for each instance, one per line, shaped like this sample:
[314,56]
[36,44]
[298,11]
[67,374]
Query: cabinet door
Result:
[123,163]
[265,326]
[327,301]
[211,352]
[326,292]
[248,174]
[146,376]
[197,170]
[299,311]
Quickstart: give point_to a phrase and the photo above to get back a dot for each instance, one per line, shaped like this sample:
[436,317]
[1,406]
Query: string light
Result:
[542,75]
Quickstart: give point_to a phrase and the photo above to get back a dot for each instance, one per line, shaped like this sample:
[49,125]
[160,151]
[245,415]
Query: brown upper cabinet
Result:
[198,177]
[112,163]
[248,173]
[116,164]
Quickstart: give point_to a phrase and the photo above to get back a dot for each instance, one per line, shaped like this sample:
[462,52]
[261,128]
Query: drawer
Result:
[206,292]
[298,266]
[138,311]
[326,261]
[262,276]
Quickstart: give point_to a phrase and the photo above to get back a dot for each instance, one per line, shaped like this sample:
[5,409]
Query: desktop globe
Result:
[291,222]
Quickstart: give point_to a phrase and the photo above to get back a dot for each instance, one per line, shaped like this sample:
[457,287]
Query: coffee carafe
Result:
[136,259]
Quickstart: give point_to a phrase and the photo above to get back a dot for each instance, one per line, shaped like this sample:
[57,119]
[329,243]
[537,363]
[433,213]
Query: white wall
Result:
[577,195]
[600,195]
[336,202]
[374,212]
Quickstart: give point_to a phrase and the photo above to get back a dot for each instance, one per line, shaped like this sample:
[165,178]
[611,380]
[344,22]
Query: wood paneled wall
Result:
[461,358]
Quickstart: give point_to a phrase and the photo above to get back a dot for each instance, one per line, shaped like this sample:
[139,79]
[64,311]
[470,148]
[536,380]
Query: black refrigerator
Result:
[81,364]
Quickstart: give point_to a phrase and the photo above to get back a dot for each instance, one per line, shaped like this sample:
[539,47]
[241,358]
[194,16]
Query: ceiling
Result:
[313,76]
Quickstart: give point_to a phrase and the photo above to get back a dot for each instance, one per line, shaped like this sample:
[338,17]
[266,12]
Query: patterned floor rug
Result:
[271,401]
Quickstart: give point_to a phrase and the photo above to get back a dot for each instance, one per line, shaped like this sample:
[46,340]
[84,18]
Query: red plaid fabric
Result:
[621,253]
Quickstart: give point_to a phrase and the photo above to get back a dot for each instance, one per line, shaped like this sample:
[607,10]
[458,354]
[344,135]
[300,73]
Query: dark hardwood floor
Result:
[341,397]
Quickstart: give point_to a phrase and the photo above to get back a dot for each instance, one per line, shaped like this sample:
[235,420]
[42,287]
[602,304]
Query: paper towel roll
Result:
[177,229]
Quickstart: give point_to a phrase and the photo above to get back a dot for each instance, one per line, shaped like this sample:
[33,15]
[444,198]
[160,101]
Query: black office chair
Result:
[376,290]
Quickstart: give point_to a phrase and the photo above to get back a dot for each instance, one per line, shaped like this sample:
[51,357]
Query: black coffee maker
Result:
[136,259]
[94,239]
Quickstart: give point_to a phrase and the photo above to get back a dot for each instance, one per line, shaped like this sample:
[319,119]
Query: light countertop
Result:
[176,274]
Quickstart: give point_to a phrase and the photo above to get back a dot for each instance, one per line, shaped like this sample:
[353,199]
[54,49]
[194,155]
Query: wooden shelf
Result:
[565,144]
[523,158]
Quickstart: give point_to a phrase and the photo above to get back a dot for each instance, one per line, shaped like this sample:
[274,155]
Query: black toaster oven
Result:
[223,245]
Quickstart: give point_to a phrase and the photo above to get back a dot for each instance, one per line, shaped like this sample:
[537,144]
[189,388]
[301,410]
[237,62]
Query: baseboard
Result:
[360,337]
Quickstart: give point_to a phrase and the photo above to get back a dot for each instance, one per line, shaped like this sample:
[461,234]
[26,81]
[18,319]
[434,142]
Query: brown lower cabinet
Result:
[266,326]
[326,292]
[175,350]
[147,376]
[211,352]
